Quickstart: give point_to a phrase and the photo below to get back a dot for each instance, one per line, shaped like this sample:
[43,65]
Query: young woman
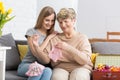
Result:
[75,62]
[44,29]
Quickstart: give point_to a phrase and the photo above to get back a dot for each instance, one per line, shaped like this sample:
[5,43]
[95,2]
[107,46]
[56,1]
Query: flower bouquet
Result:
[4,16]
[107,68]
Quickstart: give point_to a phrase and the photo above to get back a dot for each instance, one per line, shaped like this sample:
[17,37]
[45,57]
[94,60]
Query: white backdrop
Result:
[94,17]
[26,12]
[25,16]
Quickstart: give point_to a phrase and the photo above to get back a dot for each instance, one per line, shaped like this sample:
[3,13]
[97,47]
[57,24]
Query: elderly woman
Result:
[69,51]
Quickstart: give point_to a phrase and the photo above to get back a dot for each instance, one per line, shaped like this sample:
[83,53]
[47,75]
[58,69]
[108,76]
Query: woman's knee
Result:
[80,74]
[22,69]
[59,74]
[47,70]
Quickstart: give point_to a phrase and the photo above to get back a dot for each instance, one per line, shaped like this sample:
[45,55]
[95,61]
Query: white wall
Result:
[27,11]
[94,17]
[25,16]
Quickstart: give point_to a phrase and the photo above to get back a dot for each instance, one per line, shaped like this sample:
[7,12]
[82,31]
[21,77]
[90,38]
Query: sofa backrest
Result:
[106,47]
[22,42]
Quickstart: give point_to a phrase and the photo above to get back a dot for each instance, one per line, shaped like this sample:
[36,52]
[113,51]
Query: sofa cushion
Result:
[12,75]
[22,50]
[110,60]
[93,57]
[12,56]
[7,40]
[106,47]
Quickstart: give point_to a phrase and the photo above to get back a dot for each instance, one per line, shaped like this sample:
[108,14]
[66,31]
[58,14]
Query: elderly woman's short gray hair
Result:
[65,13]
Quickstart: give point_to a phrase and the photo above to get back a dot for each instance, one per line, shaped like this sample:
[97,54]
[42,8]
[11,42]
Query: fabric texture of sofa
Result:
[13,56]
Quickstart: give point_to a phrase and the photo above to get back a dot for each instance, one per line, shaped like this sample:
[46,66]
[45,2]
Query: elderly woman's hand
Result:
[61,45]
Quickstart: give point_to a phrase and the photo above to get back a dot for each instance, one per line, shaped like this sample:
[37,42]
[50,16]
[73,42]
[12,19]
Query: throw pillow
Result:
[12,55]
[108,59]
[93,57]
[7,40]
[22,50]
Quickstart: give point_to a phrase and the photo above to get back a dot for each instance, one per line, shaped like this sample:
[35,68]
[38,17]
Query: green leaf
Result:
[0,16]
[10,18]
[2,22]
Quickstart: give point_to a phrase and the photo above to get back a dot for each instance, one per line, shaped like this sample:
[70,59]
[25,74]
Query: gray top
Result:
[29,57]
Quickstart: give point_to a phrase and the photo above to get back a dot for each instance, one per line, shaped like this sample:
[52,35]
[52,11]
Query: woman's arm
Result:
[42,45]
[81,53]
[41,56]
[30,43]
[45,42]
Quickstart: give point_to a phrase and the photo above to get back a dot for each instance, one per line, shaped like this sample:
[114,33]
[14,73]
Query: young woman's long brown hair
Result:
[46,11]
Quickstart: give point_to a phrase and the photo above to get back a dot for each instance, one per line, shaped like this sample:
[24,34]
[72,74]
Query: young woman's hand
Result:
[52,35]
[35,39]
